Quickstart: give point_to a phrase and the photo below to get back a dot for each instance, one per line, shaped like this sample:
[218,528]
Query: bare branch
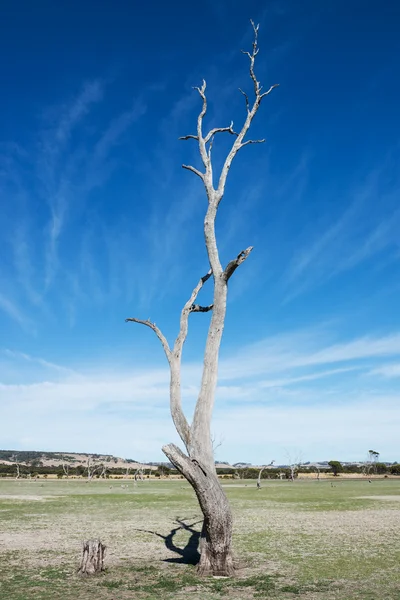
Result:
[270,90]
[158,333]
[214,442]
[198,308]
[178,416]
[180,461]
[187,309]
[212,132]
[251,112]
[260,473]
[252,57]
[194,170]
[252,142]
[233,265]
[189,137]
[202,145]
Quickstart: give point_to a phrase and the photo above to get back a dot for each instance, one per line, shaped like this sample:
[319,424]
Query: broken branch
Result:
[233,265]
[198,308]
[189,137]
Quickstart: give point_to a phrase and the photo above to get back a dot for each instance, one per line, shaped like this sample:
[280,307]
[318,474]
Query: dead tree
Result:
[198,466]
[294,465]
[65,467]
[92,561]
[16,462]
[139,476]
[94,468]
[260,473]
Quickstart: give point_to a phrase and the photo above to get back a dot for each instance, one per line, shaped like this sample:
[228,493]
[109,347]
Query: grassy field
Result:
[291,540]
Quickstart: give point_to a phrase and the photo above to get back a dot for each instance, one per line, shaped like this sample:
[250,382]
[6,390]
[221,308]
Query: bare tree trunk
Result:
[260,473]
[14,457]
[259,478]
[92,557]
[65,467]
[216,535]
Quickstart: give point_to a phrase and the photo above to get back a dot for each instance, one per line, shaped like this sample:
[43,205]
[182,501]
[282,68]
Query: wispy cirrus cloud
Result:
[56,166]
[75,111]
[76,153]
[389,370]
[366,229]
[13,354]
[307,349]
[12,310]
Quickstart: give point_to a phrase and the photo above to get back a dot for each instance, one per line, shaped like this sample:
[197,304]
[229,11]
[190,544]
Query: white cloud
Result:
[366,228]
[327,413]
[13,311]
[301,349]
[73,113]
[391,370]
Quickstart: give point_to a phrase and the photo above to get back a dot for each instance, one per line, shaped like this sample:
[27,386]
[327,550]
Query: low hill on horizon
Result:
[36,458]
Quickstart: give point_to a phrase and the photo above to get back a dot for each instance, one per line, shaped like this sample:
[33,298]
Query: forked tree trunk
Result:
[216,536]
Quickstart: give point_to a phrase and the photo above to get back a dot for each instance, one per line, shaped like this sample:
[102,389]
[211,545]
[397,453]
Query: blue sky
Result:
[99,222]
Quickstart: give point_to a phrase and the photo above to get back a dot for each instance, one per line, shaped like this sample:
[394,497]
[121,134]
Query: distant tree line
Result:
[35,457]
[35,470]
[333,467]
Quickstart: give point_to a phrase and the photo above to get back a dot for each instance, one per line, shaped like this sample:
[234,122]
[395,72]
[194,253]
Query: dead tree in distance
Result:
[260,473]
[198,466]
[295,463]
[139,474]
[93,468]
[65,467]
[16,461]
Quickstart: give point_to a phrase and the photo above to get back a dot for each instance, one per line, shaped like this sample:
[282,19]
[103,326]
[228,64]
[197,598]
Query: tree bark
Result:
[92,557]
[216,536]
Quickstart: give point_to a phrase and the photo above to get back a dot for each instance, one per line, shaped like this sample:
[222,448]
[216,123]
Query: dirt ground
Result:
[303,539]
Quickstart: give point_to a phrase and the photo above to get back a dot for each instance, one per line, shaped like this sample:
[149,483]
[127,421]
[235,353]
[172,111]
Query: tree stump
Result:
[92,557]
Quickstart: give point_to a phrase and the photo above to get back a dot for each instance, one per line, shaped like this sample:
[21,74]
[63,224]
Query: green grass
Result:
[291,540]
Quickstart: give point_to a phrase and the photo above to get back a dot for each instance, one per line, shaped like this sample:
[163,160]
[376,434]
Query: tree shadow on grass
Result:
[189,555]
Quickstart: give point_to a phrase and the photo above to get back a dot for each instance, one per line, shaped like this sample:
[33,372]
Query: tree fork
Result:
[216,535]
